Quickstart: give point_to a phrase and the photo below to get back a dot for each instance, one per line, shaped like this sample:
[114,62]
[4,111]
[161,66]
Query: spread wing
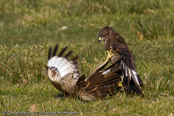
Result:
[130,78]
[101,83]
[59,67]
[115,43]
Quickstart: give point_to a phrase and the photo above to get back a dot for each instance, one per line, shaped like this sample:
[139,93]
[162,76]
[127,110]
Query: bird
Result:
[117,49]
[65,76]
[62,73]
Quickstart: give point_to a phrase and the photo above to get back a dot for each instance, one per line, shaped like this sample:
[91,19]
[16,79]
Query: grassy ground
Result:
[28,28]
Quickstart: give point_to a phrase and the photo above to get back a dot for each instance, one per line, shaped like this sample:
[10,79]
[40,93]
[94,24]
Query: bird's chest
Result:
[111,44]
[115,58]
[108,44]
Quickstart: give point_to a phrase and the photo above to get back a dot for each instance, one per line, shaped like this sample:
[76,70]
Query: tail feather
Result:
[55,50]
[60,67]
[74,58]
[49,53]
[62,51]
[68,54]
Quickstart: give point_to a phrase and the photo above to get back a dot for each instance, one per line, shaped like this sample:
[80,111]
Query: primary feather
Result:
[114,42]
[64,75]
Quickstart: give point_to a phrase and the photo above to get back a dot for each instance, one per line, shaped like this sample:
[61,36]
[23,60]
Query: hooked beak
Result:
[101,39]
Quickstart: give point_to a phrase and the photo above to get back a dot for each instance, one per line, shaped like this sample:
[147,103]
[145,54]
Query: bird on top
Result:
[118,51]
[65,76]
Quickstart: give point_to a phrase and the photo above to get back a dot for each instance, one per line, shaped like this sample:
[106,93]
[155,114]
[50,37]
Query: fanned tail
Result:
[59,66]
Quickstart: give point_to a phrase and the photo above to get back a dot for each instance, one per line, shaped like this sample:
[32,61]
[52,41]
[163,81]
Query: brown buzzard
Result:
[117,49]
[65,76]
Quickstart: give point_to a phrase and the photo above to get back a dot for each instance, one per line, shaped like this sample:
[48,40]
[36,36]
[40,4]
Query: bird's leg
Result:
[110,54]
[73,72]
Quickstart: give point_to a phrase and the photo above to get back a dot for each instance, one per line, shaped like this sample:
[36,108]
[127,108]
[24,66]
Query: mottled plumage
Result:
[101,83]
[63,73]
[126,66]
[65,77]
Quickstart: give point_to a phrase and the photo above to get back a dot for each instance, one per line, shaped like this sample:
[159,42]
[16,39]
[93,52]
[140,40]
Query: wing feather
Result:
[49,53]
[68,54]
[101,83]
[74,58]
[132,82]
[55,50]
[62,51]
[62,64]
[114,42]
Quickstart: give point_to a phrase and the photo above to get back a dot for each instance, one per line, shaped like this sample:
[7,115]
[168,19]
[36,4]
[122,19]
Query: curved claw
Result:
[120,84]
[110,54]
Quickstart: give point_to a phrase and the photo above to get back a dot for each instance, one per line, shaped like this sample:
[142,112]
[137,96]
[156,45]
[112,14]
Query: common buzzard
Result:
[117,49]
[65,76]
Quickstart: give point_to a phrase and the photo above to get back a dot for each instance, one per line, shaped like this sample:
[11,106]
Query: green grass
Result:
[28,28]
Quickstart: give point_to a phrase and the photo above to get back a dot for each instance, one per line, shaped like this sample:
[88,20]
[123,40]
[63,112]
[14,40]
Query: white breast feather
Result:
[63,65]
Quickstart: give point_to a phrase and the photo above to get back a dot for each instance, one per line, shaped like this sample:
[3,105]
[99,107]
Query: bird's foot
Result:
[120,84]
[73,72]
[110,54]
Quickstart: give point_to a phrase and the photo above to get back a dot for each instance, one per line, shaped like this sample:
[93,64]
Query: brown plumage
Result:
[116,45]
[65,77]
[63,73]
[100,83]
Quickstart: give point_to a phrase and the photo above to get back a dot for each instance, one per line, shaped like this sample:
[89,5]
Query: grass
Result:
[28,28]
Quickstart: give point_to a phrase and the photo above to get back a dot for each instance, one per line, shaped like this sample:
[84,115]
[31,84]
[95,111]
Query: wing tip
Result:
[131,80]
[62,51]
[55,50]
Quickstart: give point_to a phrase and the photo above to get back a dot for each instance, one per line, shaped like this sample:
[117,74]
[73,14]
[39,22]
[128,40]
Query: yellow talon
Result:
[110,54]
[120,84]
[73,72]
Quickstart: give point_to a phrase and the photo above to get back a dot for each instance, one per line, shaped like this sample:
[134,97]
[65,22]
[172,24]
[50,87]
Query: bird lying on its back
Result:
[65,76]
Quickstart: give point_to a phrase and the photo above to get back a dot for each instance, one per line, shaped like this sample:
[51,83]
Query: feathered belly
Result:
[115,59]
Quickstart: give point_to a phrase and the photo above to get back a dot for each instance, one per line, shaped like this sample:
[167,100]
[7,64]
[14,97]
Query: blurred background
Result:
[29,27]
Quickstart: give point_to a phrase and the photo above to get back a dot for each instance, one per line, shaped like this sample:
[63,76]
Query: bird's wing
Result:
[59,66]
[101,83]
[130,77]
[100,67]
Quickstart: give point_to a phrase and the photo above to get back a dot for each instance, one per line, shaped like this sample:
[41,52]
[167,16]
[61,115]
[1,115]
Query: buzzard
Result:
[117,49]
[65,76]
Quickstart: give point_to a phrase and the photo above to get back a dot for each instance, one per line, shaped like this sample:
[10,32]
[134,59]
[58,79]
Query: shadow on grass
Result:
[61,95]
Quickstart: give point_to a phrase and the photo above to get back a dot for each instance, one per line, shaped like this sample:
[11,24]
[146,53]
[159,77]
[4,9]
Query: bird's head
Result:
[53,73]
[104,33]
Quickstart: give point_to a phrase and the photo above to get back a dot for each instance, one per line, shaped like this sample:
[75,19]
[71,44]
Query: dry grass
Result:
[29,28]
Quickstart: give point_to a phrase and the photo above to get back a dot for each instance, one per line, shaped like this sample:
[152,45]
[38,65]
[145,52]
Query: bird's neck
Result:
[68,84]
